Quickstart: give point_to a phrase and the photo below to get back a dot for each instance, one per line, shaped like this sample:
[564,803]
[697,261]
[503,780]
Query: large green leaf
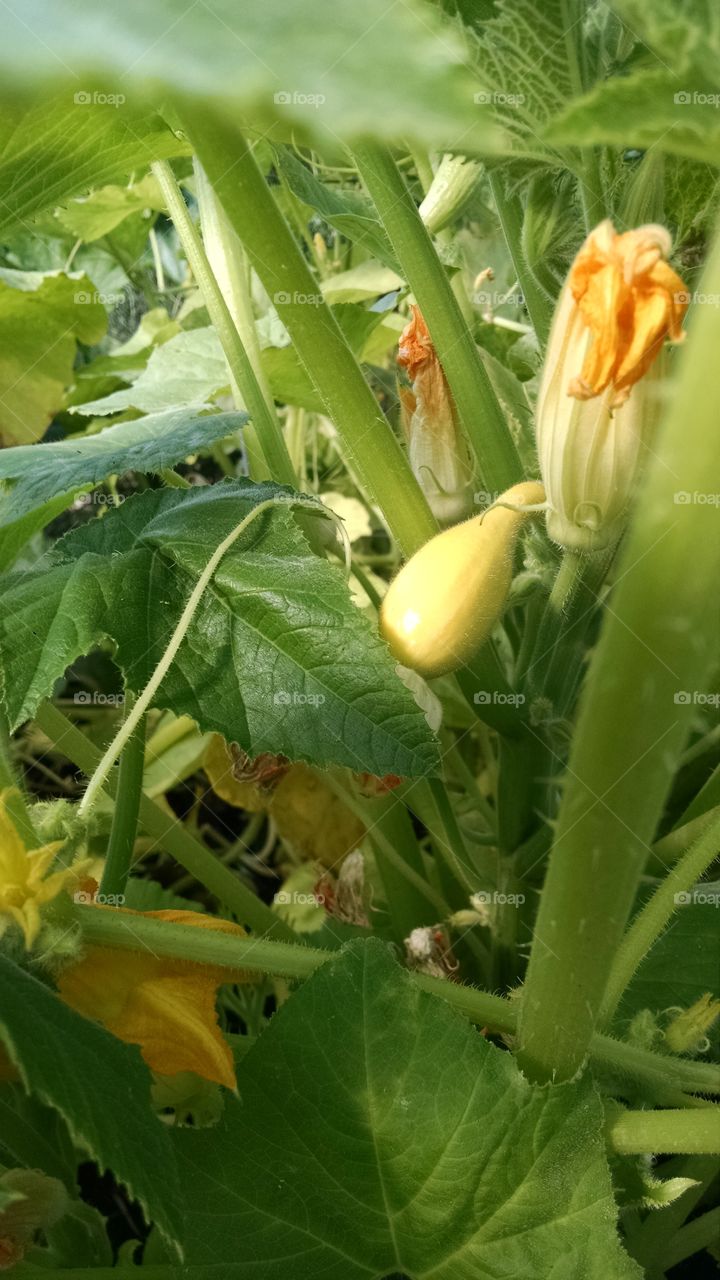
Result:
[41,317]
[671,101]
[59,148]
[99,1086]
[277,658]
[376,1132]
[271,62]
[38,481]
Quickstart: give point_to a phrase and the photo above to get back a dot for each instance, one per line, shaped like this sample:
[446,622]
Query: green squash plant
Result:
[359,665]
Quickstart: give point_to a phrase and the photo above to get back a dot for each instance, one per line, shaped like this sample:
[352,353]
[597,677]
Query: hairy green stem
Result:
[631,728]
[478,408]
[169,833]
[118,859]
[112,929]
[655,916]
[262,413]
[369,446]
[510,213]
[665,1132]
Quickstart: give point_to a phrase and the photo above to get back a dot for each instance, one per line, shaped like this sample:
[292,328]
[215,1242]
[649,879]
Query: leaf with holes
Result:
[277,657]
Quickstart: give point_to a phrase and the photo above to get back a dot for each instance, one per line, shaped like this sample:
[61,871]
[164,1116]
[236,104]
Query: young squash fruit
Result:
[442,606]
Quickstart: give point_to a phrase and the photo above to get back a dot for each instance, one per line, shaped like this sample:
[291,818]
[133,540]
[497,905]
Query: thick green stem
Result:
[692,1133]
[262,413]
[370,448]
[510,213]
[118,859]
[631,728]
[478,408]
[169,833]
[655,916]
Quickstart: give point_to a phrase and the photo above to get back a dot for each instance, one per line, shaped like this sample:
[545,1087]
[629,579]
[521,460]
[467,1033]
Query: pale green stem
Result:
[655,917]
[692,1133]
[263,416]
[146,697]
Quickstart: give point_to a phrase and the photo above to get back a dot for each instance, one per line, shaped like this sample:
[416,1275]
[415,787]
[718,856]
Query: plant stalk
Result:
[369,446]
[118,859]
[478,408]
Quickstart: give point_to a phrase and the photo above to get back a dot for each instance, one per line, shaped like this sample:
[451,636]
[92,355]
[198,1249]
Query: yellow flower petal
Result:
[165,1006]
[24,884]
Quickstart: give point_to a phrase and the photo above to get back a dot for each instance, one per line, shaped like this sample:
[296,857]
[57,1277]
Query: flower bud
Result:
[445,601]
[687,1033]
[455,180]
[598,406]
[436,449]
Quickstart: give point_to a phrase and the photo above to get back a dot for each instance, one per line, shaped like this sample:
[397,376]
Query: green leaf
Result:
[103,210]
[41,317]
[59,148]
[271,63]
[362,283]
[185,372]
[100,1087]
[39,481]
[376,1132]
[522,62]
[647,109]
[349,211]
[277,657]
[686,36]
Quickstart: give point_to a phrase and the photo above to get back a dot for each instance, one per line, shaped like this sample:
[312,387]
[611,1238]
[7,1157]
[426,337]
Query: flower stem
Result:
[168,833]
[15,800]
[510,213]
[370,448]
[631,728]
[655,916]
[263,415]
[478,408]
[125,814]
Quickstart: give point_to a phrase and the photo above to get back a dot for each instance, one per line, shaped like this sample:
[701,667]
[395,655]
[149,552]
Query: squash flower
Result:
[599,396]
[27,882]
[437,451]
[164,1005]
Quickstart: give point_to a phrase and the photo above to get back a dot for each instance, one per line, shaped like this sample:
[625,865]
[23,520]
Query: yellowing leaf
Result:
[311,817]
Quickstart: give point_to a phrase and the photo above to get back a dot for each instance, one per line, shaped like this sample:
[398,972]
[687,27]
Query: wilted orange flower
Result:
[438,455]
[164,1005]
[620,302]
[630,300]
